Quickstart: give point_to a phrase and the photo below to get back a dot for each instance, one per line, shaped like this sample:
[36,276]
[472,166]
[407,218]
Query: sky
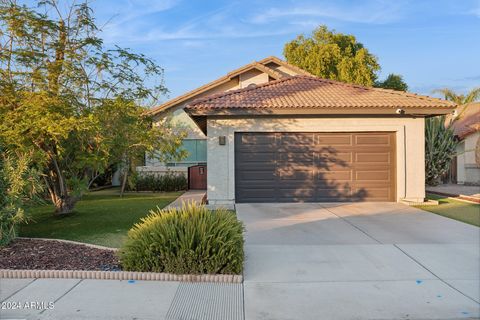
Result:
[432,43]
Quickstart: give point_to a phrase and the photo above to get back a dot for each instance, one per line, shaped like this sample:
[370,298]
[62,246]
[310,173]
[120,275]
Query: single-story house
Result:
[467,131]
[274,133]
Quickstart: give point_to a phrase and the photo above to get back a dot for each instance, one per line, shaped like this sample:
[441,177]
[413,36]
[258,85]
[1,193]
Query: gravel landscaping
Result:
[56,255]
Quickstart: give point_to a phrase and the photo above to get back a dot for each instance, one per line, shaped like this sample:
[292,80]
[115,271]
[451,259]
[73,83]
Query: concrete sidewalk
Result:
[471,193]
[188,196]
[117,300]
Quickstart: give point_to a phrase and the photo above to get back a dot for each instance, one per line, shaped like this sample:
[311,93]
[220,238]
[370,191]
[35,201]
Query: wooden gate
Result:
[197,177]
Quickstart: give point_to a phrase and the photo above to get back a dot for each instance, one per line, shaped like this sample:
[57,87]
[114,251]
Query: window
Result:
[197,152]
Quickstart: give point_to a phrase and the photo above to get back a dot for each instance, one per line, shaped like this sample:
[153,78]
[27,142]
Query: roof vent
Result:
[251,85]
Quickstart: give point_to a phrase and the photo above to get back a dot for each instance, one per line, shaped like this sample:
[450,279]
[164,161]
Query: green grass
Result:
[101,217]
[458,210]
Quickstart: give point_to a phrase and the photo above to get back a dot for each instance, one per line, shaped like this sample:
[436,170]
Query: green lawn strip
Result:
[458,210]
[101,217]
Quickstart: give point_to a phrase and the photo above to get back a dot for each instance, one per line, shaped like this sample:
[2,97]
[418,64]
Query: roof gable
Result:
[312,93]
[257,65]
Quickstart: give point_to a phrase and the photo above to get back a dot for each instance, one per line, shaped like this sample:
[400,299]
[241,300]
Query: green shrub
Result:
[18,186]
[190,240]
[167,182]
[440,147]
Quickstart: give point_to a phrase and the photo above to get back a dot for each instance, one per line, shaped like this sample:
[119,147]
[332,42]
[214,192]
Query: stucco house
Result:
[467,131]
[270,132]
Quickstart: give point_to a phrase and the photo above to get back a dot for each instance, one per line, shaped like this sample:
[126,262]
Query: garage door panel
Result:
[343,175]
[257,149]
[334,139]
[336,157]
[258,157]
[373,194]
[306,157]
[296,193]
[315,167]
[327,194]
[373,157]
[372,176]
[296,139]
[295,174]
[372,140]
[257,175]
[257,139]
[258,194]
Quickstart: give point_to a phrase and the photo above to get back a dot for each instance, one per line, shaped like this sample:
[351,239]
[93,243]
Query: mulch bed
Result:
[36,254]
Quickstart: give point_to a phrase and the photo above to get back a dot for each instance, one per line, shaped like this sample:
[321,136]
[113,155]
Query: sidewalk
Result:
[189,196]
[471,193]
[117,300]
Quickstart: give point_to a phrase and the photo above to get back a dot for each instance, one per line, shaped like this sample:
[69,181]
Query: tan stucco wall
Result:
[409,139]
[468,170]
[252,77]
[179,118]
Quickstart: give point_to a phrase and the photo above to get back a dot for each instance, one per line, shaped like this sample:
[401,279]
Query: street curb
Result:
[118,275]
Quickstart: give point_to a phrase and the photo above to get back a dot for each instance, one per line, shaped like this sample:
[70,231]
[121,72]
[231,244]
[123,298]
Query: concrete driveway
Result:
[358,261]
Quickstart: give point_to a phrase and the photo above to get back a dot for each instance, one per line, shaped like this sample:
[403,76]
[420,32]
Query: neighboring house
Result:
[467,130]
[302,138]
[257,72]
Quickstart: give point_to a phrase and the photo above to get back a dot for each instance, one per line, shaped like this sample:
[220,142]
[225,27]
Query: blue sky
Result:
[432,43]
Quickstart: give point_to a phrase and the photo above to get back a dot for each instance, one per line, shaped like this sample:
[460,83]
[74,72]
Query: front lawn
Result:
[458,210]
[101,217]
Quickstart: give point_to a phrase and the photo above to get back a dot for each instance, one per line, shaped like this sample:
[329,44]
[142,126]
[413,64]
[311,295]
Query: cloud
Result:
[475,78]
[127,10]
[222,23]
[371,12]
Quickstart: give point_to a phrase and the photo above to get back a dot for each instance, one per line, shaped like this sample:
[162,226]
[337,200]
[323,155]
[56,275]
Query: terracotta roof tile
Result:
[311,92]
[260,65]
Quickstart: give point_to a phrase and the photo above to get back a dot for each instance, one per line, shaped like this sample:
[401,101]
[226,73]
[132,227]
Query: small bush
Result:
[440,145]
[166,182]
[19,185]
[190,240]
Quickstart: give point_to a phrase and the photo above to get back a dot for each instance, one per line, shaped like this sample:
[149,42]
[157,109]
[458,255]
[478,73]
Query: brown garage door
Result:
[314,167]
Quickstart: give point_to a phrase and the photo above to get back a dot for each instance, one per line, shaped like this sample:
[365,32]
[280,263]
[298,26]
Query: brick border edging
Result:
[118,275]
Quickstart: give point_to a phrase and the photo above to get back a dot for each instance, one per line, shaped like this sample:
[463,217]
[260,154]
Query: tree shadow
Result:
[281,167]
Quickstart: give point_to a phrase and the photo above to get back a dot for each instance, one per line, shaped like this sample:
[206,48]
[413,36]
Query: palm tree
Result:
[460,99]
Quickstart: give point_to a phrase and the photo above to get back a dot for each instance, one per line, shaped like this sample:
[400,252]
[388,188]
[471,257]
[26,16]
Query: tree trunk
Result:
[124,182]
[61,198]
[65,205]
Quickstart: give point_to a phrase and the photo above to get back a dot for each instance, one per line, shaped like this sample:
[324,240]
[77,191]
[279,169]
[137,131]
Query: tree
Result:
[70,101]
[458,98]
[130,135]
[394,82]
[331,55]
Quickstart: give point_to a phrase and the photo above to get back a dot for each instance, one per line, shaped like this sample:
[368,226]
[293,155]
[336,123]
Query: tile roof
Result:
[469,121]
[259,65]
[310,92]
